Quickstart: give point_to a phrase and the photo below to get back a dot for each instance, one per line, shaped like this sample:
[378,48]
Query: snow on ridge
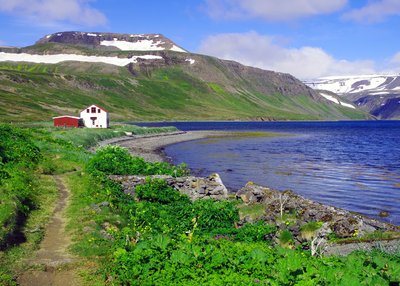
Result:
[364,76]
[354,84]
[379,92]
[143,45]
[177,49]
[191,61]
[54,59]
[91,35]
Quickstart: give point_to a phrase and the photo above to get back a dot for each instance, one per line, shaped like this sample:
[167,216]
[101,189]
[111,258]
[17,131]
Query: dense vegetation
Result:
[18,159]
[29,157]
[159,236]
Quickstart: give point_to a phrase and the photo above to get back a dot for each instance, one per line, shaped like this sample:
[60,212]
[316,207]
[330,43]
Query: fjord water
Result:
[352,165]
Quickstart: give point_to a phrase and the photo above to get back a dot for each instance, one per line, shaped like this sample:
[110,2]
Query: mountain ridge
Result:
[154,83]
[113,41]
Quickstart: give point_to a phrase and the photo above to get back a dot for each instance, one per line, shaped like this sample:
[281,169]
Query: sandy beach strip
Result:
[151,147]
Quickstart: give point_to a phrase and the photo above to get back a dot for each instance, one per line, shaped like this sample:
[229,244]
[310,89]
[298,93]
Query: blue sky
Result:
[307,38]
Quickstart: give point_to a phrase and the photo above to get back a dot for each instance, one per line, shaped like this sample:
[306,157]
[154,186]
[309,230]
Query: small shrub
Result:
[215,214]
[157,190]
[115,160]
[258,231]
[111,160]
[286,238]
[309,229]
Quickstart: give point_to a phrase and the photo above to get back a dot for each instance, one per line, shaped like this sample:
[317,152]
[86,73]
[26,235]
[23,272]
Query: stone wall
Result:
[196,188]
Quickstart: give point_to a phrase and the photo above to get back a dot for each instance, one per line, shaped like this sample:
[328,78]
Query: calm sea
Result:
[352,165]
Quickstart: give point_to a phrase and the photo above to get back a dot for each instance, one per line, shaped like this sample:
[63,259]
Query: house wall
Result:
[94,117]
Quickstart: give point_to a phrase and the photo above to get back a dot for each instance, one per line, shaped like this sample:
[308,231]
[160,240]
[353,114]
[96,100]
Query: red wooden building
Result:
[68,121]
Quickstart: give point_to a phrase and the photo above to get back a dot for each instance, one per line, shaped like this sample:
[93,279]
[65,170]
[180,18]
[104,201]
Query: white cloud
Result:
[271,10]
[47,12]
[262,51]
[375,11]
[395,59]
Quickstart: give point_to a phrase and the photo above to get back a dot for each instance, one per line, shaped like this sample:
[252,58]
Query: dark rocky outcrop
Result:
[342,223]
[94,39]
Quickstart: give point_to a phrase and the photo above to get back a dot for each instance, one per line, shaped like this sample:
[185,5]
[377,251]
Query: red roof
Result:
[67,116]
[96,106]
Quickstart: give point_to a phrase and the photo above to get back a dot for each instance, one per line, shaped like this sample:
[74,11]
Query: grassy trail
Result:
[52,264]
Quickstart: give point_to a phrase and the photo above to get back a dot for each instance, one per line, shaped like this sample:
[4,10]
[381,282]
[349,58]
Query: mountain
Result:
[376,94]
[113,41]
[148,77]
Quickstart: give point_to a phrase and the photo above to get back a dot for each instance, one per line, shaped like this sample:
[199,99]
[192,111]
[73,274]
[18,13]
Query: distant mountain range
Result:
[149,77]
[377,94]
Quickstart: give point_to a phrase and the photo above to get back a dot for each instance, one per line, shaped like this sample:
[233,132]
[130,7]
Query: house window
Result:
[98,110]
[93,109]
[87,110]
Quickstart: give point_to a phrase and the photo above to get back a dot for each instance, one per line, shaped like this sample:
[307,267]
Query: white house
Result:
[95,116]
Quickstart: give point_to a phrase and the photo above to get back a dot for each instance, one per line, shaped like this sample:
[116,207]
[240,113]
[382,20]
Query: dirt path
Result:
[52,264]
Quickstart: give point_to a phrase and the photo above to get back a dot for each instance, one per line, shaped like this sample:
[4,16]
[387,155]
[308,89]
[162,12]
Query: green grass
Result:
[368,237]
[253,211]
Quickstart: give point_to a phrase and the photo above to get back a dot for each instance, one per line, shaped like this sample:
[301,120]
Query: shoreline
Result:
[151,148]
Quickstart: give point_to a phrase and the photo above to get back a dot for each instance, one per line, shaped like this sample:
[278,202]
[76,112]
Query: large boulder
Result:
[252,193]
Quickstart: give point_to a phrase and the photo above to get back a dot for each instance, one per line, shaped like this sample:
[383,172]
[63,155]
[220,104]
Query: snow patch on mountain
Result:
[330,97]
[177,49]
[347,105]
[335,100]
[54,59]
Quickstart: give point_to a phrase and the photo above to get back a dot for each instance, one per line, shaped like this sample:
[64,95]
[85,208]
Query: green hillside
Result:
[210,89]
